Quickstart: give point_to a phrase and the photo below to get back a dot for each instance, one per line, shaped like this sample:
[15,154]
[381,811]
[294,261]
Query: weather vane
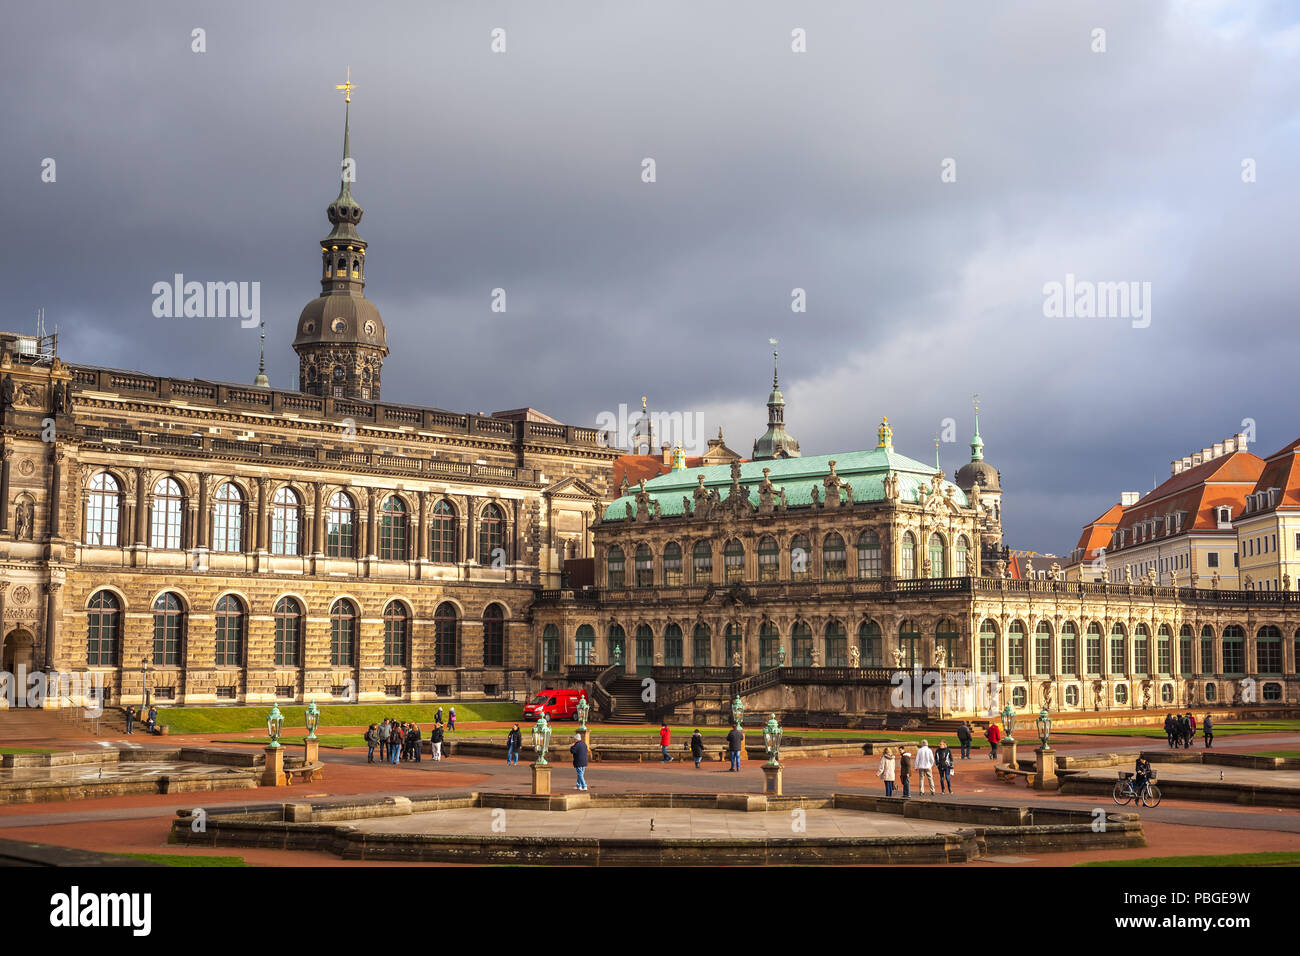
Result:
[976,398]
[346,87]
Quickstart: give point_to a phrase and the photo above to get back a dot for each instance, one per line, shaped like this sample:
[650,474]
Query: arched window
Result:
[645,566]
[445,633]
[1069,649]
[103,510]
[988,647]
[1141,650]
[584,644]
[284,521]
[673,564]
[340,534]
[343,633]
[801,638]
[701,648]
[1118,651]
[1268,650]
[1186,651]
[960,558]
[550,648]
[833,557]
[645,649]
[733,562]
[1093,648]
[228,519]
[837,645]
[1234,649]
[492,537]
[947,637]
[1042,649]
[800,558]
[494,636]
[702,563]
[165,523]
[769,559]
[230,631]
[735,645]
[614,567]
[1207,650]
[868,555]
[168,629]
[442,532]
[909,641]
[907,556]
[769,646]
[672,646]
[1164,661]
[392,529]
[1016,662]
[397,631]
[871,644]
[288,632]
[616,642]
[937,569]
[103,628]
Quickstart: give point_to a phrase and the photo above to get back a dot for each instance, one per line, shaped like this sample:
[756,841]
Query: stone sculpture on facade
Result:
[855,656]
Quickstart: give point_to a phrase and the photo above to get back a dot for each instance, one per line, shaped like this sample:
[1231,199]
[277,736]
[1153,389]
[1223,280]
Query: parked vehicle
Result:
[555,704]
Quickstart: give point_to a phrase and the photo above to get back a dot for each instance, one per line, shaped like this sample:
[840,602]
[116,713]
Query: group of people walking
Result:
[400,740]
[895,768]
[1181,729]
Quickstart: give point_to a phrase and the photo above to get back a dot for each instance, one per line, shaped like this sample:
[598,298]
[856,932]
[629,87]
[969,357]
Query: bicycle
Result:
[1124,792]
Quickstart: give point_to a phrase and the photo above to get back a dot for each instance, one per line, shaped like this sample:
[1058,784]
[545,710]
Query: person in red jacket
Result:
[993,735]
[665,738]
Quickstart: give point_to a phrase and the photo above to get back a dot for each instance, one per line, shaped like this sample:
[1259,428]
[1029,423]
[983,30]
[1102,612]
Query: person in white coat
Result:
[886,771]
[925,766]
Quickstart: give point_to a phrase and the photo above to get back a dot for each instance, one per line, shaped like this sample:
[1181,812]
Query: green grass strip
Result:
[1229,859]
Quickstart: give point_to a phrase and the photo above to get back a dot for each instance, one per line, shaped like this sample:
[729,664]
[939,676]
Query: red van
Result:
[555,704]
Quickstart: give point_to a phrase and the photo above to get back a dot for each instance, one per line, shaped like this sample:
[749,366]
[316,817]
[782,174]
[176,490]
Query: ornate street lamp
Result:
[780,656]
[1008,721]
[144,679]
[738,711]
[541,740]
[274,725]
[312,716]
[584,709]
[1044,723]
[772,740]
[618,655]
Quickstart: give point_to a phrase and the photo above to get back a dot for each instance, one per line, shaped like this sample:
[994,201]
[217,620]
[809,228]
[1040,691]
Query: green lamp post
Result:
[1008,721]
[1044,723]
[772,740]
[584,709]
[541,740]
[738,711]
[274,725]
[312,716]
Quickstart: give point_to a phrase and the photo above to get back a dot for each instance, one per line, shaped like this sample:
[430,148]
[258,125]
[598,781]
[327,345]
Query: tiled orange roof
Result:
[1097,533]
[636,467]
[1198,491]
[1282,470]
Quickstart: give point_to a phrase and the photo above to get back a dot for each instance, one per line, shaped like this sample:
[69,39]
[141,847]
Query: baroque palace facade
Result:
[221,543]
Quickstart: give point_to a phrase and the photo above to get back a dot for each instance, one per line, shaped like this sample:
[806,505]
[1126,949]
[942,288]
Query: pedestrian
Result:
[395,741]
[437,716]
[418,745]
[1185,728]
[964,738]
[130,719]
[371,738]
[382,735]
[735,740]
[943,760]
[1207,728]
[665,738]
[579,751]
[905,771]
[451,719]
[514,741]
[993,734]
[436,738]
[1170,730]
[151,722]
[697,747]
[1191,728]
[886,770]
[925,766]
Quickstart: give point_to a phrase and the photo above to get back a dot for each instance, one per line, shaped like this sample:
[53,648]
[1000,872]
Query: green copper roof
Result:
[865,471]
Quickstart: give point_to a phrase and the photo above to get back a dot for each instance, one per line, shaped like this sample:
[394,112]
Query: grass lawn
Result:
[175,859]
[1229,859]
[1220,729]
[26,750]
[201,720]
[1293,754]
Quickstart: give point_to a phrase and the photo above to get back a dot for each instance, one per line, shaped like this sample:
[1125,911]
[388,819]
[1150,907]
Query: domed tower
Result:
[775,442]
[980,472]
[340,339]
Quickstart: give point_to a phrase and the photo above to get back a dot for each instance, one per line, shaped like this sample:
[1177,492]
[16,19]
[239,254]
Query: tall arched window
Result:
[494,636]
[492,536]
[672,646]
[1141,650]
[1042,649]
[392,529]
[103,510]
[614,562]
[550,649]
[733,562]
[1207,649]
[800,558]
[1268,650]
[1164,661]
[1069,649]
[960,560]
[165,523]
[616,644]
[909,639]
[340,529]
[937,569]
[103,629]
[701,646]
[833,557]
[769,646]
[343,633]
[442,532]
[397,632]
[645,566]
[871,644]
[1016,662]
[1092,648]
[1186,651]
[168,629]
[837,645]
[868,555]
[672,565]
[702,563]
[988,647]
[769,559]
[445,628]
[735,645]
[228,519]
[285,521]
[947,637]
[230,631]
[288,632]
[907,556]
[583,644]
[1234,649]
[801,640]
[1118,651]
[645,649]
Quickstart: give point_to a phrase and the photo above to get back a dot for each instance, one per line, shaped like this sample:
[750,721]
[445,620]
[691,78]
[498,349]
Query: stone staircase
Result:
[629,708]
[34,726]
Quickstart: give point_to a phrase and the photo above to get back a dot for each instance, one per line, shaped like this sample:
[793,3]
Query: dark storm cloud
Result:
[775,171]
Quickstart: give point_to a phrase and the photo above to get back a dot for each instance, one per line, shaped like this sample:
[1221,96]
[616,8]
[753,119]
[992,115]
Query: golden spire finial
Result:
[346,87]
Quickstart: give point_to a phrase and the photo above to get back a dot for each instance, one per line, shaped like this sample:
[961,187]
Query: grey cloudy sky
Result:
[775,170]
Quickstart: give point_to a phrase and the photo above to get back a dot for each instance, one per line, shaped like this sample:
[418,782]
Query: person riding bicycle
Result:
[1140,773]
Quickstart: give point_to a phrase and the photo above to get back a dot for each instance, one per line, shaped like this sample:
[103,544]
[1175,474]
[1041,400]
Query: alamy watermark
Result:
[1085,299]
[212,300]
[83,688]
[672,428]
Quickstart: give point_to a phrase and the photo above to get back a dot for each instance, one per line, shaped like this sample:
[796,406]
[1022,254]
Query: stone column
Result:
[470,552]
[372,524]
[4,495]
[318,529]
[141,508]
[53,617]
[56,481]
[201,525]
[263,515]
[4,586]
[421,533]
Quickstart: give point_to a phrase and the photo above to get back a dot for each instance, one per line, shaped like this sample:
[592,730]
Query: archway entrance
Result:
[19,647]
